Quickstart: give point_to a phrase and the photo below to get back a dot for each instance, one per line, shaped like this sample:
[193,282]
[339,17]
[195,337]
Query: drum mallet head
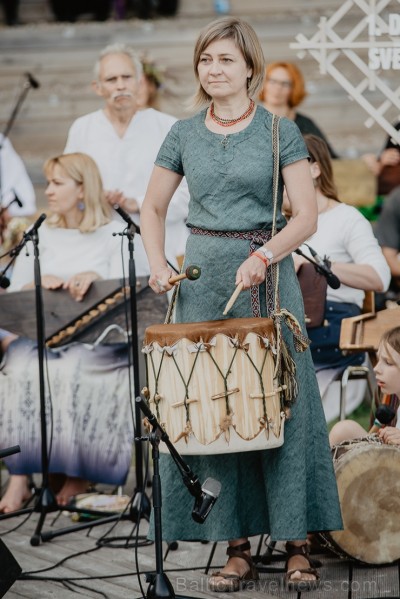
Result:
[191,272]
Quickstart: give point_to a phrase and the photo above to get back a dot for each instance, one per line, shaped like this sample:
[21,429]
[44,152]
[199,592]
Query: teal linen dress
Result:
[288,491]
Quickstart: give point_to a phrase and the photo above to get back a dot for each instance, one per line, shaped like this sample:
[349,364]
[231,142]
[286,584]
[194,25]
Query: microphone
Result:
[205,500]
[34,228]
[4,282]
[32,81]
[125,216]
[384,414]
[332,279]
[9,451]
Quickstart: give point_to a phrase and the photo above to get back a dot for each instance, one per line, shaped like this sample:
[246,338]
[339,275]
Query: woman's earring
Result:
[81,206]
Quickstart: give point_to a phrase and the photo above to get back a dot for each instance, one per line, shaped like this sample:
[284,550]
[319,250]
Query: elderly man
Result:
[124,142]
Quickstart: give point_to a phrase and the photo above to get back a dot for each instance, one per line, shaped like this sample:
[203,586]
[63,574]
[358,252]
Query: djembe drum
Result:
[368,478]
[213,386]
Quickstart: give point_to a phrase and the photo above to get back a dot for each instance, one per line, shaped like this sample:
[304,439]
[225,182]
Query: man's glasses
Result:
[285,84]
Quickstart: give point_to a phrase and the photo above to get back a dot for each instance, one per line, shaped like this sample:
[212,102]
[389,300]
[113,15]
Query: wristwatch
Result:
[267,253]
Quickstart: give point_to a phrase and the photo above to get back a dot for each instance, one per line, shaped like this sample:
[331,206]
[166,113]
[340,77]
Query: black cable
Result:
[3,534]
[104,542]
[27,576]
[146,473]
[60,562]
[71,584]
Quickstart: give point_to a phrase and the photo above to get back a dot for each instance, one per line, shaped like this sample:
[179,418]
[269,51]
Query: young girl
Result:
[387,371]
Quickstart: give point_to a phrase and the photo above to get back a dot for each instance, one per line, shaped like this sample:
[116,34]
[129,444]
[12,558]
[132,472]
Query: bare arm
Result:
[392,258]
[359,276]
[162,185]
[303,207]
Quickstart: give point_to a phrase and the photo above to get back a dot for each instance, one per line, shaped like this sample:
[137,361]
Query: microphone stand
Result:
[46,501]
[29,83]
[140,503]
[160,586]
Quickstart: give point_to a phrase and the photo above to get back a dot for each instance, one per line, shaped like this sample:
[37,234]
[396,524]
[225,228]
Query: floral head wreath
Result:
[153,73]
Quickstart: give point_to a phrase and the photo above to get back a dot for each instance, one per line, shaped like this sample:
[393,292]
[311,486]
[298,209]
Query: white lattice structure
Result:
[373,48]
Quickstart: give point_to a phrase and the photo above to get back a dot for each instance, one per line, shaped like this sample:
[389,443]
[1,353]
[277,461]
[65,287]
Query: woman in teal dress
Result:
[225,153]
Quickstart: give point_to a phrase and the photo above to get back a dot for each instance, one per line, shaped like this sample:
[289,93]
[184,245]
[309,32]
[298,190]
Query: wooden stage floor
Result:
[74,565]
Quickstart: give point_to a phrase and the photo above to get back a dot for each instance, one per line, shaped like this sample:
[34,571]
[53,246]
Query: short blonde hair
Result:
[297,91]
[245,38]
[83,170]
[119,49]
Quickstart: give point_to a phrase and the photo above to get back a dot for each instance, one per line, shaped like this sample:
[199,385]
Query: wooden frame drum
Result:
[211,385]
[368,478]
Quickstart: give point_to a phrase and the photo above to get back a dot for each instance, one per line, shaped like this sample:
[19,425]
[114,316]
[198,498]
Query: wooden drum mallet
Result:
[191,272]
[233,298]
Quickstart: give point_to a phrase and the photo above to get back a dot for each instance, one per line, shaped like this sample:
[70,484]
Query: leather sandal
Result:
[233,582]
[300,584]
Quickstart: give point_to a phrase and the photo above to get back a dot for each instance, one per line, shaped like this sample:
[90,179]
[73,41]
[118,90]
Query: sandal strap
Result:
[243,547]
[238,551]
[292,550]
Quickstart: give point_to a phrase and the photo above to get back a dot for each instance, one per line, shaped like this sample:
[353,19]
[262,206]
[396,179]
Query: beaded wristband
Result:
[261,256]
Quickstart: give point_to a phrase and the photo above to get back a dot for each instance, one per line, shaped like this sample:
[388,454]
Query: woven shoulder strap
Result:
[275,187]
[275,175]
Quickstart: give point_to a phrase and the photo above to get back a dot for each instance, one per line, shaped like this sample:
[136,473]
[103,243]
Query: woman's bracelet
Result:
[261,256]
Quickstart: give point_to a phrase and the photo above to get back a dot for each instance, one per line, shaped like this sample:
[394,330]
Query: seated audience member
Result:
[386,166]
[387,231]
[150,85]
[124,141]
[387,372]
[283,91]
[88,385]
[346,238]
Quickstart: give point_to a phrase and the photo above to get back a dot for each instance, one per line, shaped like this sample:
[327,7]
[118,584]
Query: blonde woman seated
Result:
[387,372]
[88,385]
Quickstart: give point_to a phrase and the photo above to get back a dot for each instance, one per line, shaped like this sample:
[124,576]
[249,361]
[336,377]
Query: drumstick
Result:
[192,273]
[233,298]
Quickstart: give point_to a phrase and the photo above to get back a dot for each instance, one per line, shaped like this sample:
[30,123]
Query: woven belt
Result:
[257,238]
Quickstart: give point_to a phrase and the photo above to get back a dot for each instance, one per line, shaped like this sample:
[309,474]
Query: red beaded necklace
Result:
[230,122]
